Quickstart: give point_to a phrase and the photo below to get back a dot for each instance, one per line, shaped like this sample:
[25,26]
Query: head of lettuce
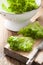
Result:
[19,6]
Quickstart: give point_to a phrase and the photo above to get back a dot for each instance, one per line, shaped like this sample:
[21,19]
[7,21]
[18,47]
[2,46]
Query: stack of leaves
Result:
[21,43]
[19,6]
[34,30]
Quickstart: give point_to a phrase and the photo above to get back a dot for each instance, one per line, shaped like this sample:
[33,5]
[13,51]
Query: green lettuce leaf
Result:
[21,43]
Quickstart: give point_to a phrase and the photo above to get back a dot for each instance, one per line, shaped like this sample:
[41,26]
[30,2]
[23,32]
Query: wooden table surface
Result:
[4,34]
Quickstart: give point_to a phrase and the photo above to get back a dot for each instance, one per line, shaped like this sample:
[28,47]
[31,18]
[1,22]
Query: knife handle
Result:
[31,56]
[37,15]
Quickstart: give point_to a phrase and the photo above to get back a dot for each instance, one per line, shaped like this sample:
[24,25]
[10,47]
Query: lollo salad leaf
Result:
[21,43]
[19,6]
[34,30]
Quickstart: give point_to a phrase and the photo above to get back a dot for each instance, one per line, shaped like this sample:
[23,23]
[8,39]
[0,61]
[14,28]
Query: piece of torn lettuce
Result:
[34,30]
[20,43]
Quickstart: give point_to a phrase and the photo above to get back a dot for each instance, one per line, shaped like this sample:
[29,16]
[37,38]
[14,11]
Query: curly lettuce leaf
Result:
[19,6]
[21,43]
[34,30]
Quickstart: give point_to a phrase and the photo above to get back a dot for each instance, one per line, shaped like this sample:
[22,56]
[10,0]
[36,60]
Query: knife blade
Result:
[40,46]
[34,53]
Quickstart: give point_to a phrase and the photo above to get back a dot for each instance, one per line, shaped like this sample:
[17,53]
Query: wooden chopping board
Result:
[21,56]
